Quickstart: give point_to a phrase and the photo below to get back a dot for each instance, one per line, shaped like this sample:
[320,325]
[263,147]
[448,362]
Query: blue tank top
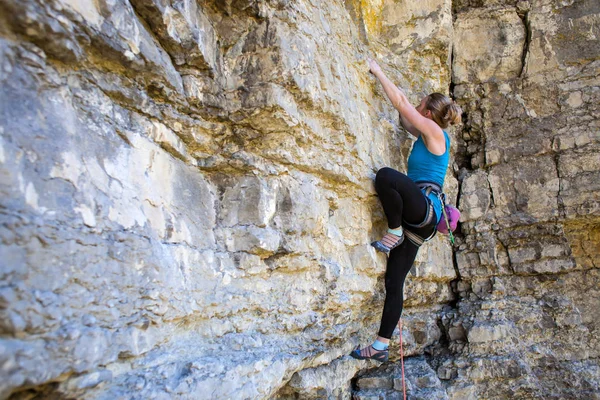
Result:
[423,165]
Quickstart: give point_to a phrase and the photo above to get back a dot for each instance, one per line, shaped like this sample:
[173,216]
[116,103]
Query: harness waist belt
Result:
[434,186]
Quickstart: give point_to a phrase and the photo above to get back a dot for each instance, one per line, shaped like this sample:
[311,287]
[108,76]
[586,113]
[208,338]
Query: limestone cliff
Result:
[187,200]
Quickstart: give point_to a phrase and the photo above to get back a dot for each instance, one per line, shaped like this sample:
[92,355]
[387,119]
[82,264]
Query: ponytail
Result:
[444,111]
[453,114]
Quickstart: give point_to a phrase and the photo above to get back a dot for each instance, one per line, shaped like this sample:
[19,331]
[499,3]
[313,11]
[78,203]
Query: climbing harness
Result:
[428,188]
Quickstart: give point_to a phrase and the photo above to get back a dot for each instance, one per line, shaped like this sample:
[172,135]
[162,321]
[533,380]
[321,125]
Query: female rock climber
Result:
[410,202]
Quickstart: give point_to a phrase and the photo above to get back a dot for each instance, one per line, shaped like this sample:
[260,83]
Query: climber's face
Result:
[422,108]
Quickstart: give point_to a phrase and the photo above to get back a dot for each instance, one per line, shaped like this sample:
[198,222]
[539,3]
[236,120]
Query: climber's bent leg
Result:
[401,198]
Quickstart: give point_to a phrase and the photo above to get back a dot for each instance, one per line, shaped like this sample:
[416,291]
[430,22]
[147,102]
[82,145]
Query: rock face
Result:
[187,199]
[530,174]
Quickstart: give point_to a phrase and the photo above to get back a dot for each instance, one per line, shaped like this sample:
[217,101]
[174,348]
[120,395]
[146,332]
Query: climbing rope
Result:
[402,358]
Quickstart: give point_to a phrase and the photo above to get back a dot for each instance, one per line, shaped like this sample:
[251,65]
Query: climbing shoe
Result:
[370,353]
[391,240]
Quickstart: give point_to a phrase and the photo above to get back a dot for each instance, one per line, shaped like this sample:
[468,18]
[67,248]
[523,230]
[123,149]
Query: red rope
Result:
[402,359]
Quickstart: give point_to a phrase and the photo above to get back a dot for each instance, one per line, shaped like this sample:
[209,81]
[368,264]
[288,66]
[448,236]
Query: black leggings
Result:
[402,202]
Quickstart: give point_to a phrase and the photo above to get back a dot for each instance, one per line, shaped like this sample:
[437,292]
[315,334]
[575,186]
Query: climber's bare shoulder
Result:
[435,140]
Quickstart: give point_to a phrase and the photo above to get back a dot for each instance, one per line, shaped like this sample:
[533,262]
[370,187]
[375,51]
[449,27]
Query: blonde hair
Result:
[443,109]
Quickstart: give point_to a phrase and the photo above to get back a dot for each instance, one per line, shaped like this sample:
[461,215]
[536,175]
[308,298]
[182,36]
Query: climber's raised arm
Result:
[408,126]
[415,120]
